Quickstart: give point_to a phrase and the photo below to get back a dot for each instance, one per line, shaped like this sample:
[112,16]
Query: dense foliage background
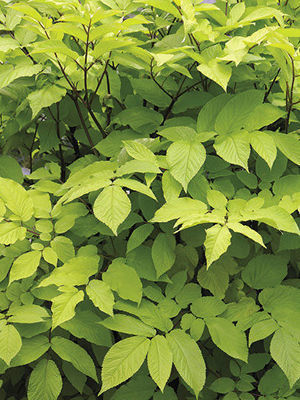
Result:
[149,246]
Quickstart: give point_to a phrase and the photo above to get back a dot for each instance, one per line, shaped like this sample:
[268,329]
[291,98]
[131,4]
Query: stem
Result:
[61,154]
[31,147]
[157,83]
[289,97]
[84,124]
[271,86]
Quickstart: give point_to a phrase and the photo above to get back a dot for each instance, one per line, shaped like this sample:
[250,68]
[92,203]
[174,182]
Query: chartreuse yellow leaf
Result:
[45,382]
[112,206]
[216,243]
[159,361]
[16,199]
[123,360]
[25,265]
[188,359]
[10,343]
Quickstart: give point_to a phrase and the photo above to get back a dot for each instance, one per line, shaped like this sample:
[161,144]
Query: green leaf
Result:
[123,360]
[207,306]
[282,303]
[129,325]
[139,386]
[228,337]
[10,168]
[45,382]
[277,217]
[185,159]
[187,359]
[215,279]
[171,188]
[159,361]
[264,145]
[217,72]
[32,349]
[101,295]
[163,253]
[76,378]
[63,247]
[10,343]
[209,112]
[8,43]
[285,350]
[164,5]
[135,166]
[10,232]
[74,272]
[136,186]
[74,354]
[139,151]
[138,236]
[86,325]
[45,97]
[53,46]
[109,44]
[184,206]
[222,385]
[234,148]
[25,265]
[28,314]
[179,134]
[216,199]
[246,231]
[63,306]
[289,145]
[263,115]
[112,206]
[216,243]
[124,280]
[16,199]
[8,75]
[261,330]
[237,111]
[265,271]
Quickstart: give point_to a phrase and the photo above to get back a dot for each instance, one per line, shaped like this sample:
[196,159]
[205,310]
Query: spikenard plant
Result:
[153,251]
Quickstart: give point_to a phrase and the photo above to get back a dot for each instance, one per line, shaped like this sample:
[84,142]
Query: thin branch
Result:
[31,147]
[86,131]
[156,82]
[61,154]
[289,99]
[271,86]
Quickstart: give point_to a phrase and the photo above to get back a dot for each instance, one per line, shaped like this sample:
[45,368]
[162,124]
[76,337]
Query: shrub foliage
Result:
[153,250]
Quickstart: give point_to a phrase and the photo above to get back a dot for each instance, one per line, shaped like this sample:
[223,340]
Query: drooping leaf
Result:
[234,148]
[25,265]
[124,280]
[75,354]
[228,337]
[264,145]
[16,199]
[63,306]
[129,325]
[32,349]
[285,350]
[185,159]
[159,361]
[45,381]
[10,343]
[101,295]
[188,359]
[163,253]
[112,206]
[216,243]
[138,236]
[75,271]
[123,360]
